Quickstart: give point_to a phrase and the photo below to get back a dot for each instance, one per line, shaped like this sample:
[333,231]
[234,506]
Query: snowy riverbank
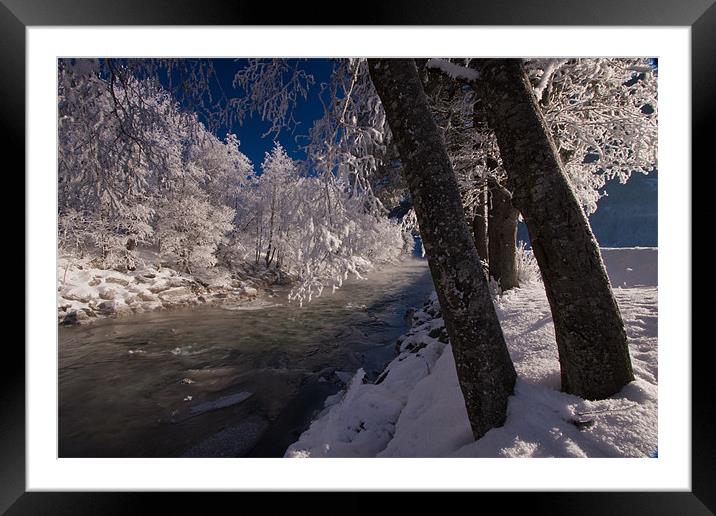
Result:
[86,293]
[415,407]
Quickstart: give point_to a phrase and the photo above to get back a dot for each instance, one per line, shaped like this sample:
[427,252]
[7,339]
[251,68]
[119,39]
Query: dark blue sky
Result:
[251,131]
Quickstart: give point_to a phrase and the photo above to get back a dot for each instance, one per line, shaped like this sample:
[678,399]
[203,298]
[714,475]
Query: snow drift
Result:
[415,407]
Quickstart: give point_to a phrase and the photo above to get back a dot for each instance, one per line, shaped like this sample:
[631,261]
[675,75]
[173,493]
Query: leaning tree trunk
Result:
[502,236]
[591,340]
[484,367]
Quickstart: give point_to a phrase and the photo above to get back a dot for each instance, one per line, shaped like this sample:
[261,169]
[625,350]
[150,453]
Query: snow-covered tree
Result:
[117,238]
[350,142]
[128,152]
[314,229]
[72,231]
[326,250]
[190,228]
[224,168]
[601,113]
[118,138]
[278,174]
[484,368]
[591,340]
[352,169]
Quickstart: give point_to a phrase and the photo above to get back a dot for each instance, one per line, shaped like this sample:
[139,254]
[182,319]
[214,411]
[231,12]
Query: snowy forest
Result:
[350,282]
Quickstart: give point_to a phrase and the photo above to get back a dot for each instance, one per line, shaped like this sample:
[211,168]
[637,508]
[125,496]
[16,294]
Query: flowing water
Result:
[234,381]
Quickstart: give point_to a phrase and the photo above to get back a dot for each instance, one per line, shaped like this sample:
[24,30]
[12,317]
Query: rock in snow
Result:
[160,286]
[147,296]
[85,292]
[107,293]
[249,291]
[176,295]
[106,307]
[116,279]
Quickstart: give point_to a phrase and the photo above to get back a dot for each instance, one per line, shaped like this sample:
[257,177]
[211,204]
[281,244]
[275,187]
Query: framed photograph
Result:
[197,159]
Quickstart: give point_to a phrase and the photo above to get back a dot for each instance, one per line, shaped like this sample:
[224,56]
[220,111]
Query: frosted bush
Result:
[72,232]
[190,228]
[527,268]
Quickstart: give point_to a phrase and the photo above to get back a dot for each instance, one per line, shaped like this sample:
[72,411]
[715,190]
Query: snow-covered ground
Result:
[85,293]
[415,408]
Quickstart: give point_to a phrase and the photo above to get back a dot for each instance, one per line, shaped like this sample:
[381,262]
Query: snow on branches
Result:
[603,116]
[129,159]
[271,88]
[453,70]
[137,167]
[190,228]
[313,229]
[350,142]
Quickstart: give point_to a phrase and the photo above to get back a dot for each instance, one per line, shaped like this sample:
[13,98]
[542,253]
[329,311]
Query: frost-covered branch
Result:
[271,88]
[602,114]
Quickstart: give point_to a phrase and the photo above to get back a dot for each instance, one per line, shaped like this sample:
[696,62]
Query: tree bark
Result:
[484,368]
[479,223]
[502,236]
[591,340]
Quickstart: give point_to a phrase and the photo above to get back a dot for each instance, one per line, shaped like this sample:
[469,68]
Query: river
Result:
[235,381]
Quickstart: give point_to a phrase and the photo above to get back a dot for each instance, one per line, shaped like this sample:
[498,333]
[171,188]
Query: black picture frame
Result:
[16,15]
